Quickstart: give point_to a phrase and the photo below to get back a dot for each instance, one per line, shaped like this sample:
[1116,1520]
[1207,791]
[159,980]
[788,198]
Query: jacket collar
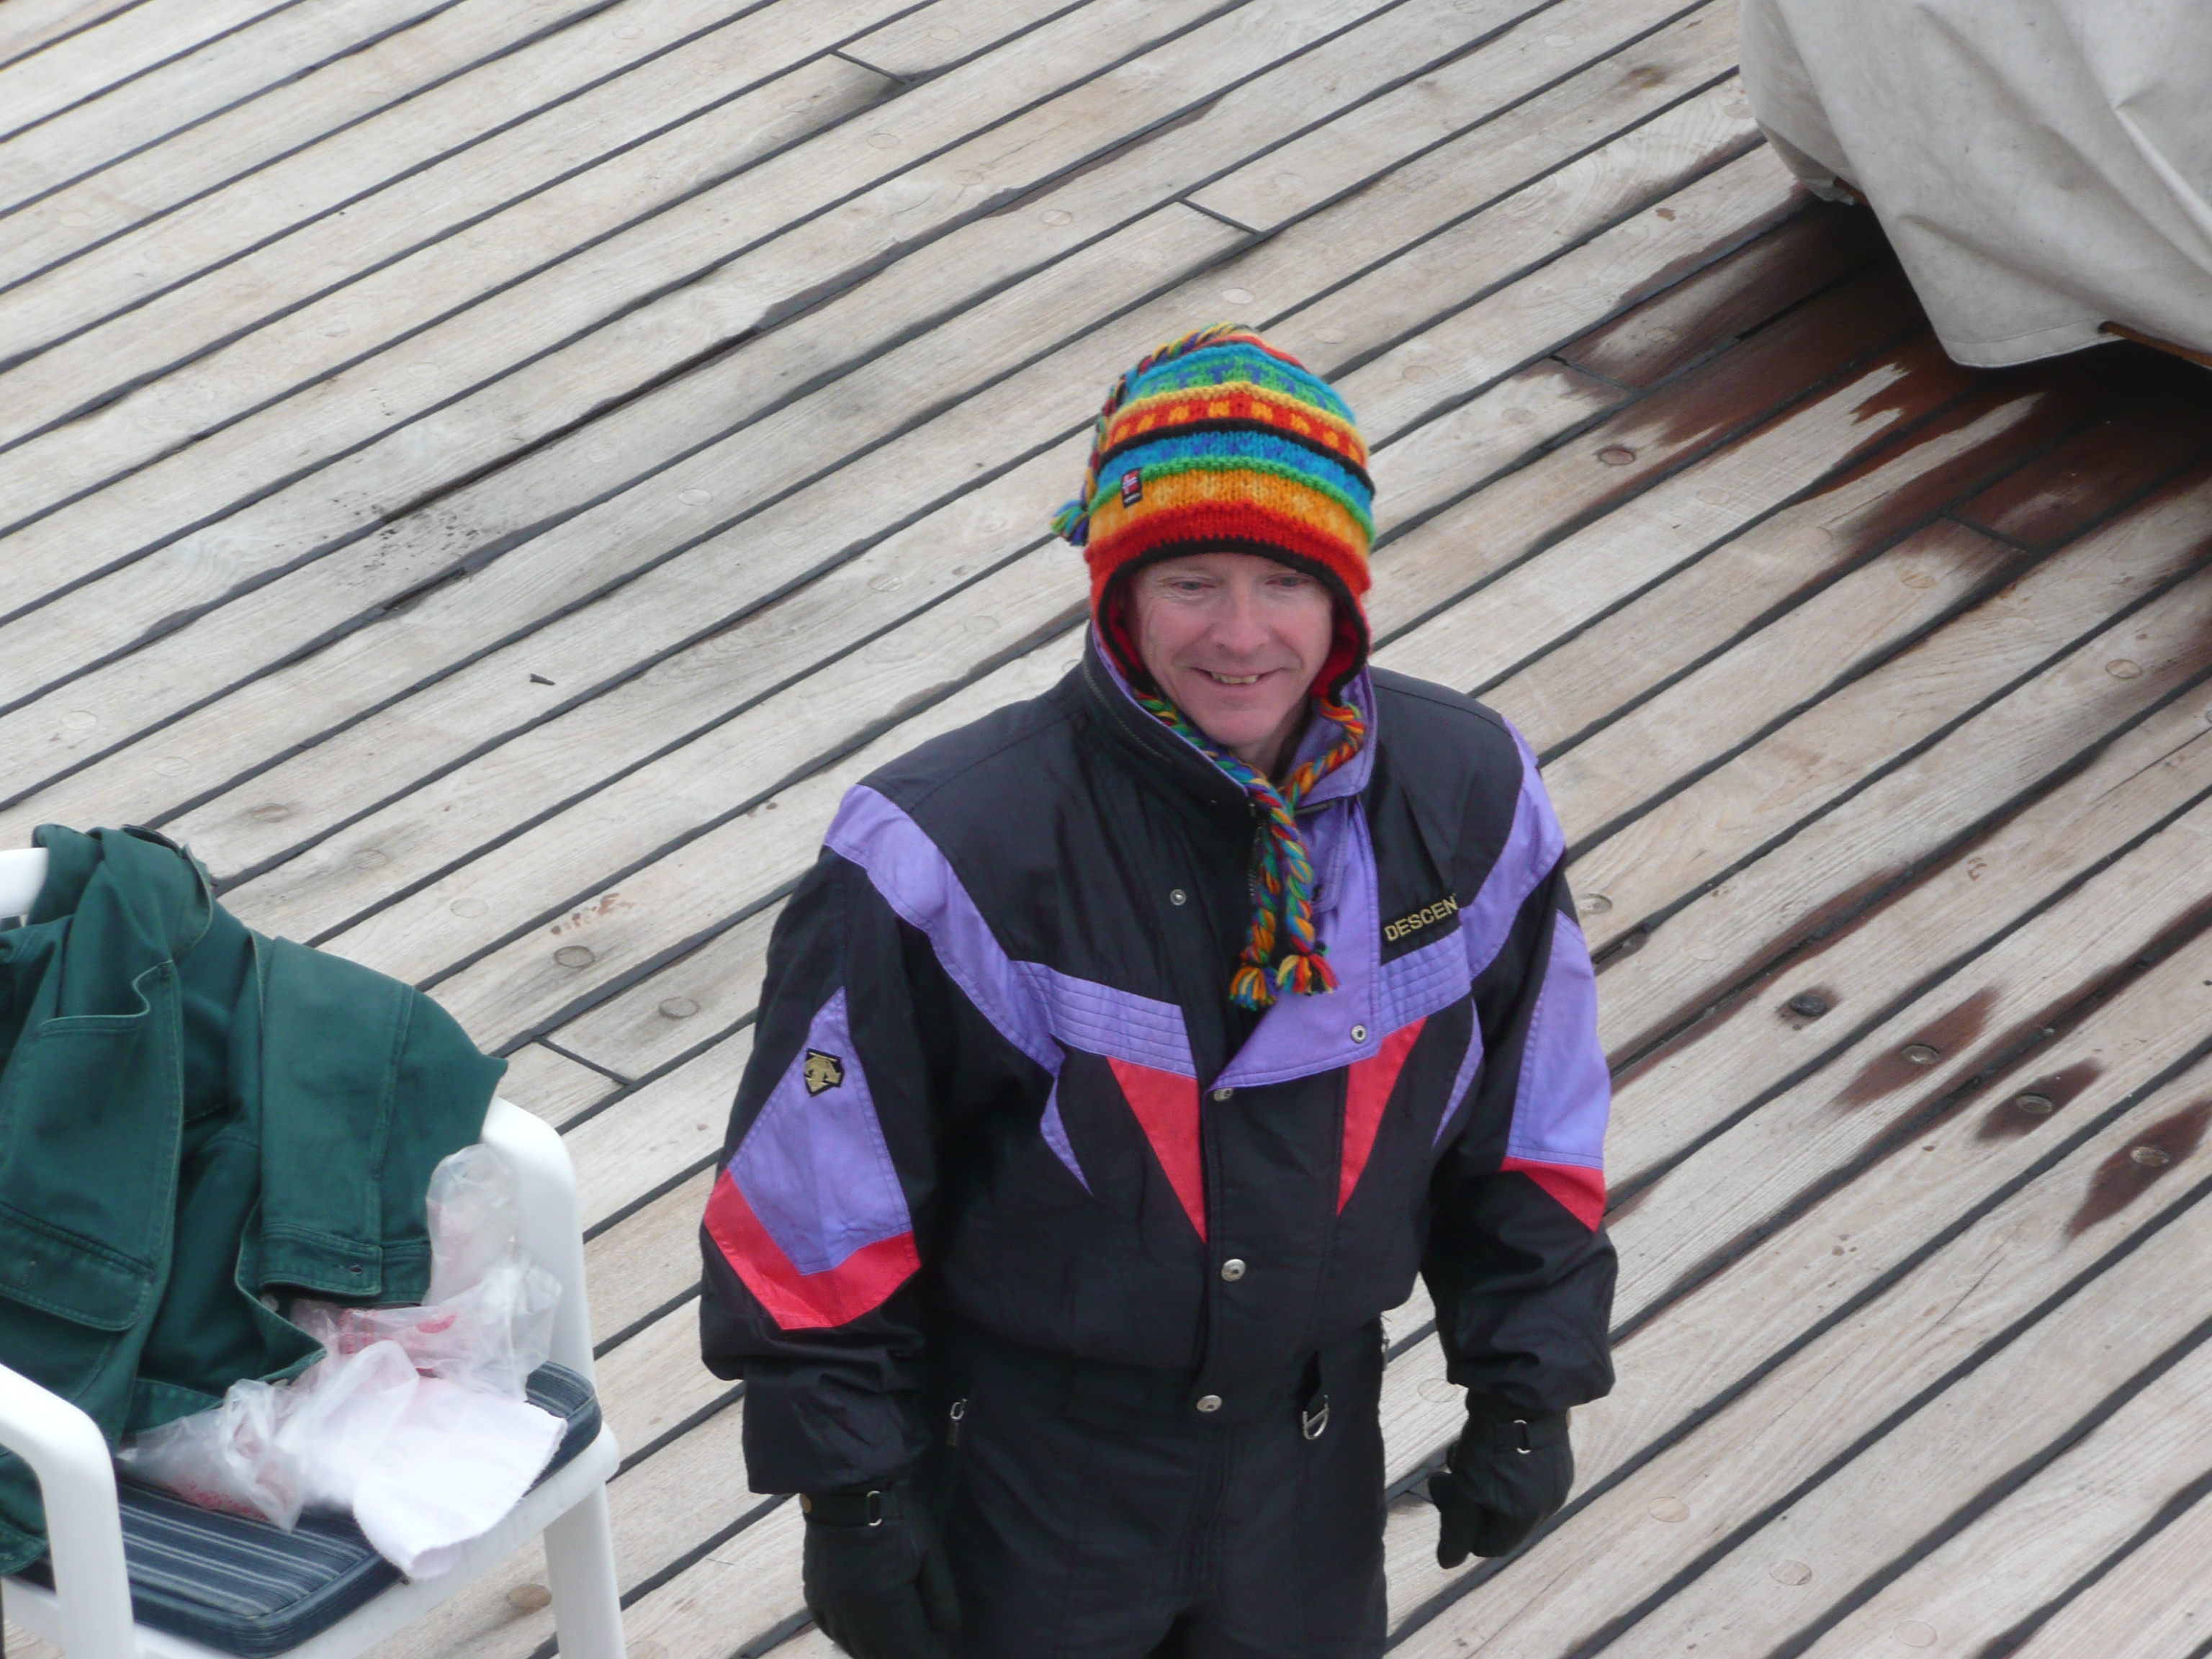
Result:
[1113,697]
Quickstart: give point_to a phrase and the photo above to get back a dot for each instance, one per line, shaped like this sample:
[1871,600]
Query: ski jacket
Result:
[997,1078]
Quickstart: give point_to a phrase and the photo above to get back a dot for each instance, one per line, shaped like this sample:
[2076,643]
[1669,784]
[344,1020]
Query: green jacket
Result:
[194,1121]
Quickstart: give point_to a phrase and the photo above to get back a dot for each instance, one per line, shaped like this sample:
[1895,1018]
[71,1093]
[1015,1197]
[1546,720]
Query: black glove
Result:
[875,1574]
[1501,1478]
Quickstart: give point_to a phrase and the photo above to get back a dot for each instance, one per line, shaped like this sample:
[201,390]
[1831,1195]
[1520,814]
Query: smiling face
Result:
[1235,641]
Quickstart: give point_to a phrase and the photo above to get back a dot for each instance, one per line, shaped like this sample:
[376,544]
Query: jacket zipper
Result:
[954,1417]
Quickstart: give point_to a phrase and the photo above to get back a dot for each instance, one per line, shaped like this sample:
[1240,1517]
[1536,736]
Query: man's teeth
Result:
[1234,679]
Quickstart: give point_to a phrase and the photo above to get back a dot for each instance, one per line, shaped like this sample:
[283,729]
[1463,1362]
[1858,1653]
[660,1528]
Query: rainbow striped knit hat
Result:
[1219,440]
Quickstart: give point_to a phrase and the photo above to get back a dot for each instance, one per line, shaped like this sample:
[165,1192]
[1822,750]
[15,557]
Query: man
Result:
[1125,1056]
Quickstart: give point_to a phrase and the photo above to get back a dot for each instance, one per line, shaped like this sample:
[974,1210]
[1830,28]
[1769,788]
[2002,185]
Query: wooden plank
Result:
[711,672]
[1615,662]
[2155,1602]
[2113,996]
[126,391]
[343,166]
[1603,478]
[553,1085]
[1714,307]
[1783,670]
[1616,195]
[1626,545]
[659,905]
[934,39]
[2129,451]
[31,26]
[21,1644]
[1759,1043]
[1418,469]
[667,1129]
[227,72]
[1925,934]
[112,51]
[720,982]
[671,332]
[1765,928]
[1549,44]
[808,1643]
[646,1259]
[1761,1449]
[654,1384]
[2090,1500]
[1639,542]
[187,165]
[1824,1260]
[893,481]
[743,1590]
[667,255]
[1696,837]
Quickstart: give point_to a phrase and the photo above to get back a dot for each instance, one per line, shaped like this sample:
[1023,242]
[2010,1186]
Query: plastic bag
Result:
[488,1322]
[334,1417]
[274,1450]
[223,1459]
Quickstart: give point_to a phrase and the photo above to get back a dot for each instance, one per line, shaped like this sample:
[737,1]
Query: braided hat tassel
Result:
[1282,952]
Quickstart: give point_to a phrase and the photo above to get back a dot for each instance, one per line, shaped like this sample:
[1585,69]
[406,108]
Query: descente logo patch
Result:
[1427,916]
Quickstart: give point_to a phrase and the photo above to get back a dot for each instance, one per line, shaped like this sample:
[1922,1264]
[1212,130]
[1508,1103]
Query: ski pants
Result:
[1090,1515]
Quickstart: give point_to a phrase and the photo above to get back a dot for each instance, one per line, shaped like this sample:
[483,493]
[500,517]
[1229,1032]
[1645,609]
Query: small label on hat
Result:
[1133,488]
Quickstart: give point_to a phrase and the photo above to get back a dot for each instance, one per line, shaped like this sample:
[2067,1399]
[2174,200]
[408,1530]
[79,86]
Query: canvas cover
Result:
[2042,168]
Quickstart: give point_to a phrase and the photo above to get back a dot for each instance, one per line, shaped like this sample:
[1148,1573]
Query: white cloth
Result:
[453,1463]
[2041,167]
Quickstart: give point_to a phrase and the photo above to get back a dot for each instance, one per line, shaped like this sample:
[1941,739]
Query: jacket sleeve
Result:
[812,1233]
[1518,1264]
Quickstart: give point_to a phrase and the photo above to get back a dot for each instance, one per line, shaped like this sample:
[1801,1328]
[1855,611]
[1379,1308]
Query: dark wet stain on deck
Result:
[2037,1101]
[1909,1059]
[2135,1168]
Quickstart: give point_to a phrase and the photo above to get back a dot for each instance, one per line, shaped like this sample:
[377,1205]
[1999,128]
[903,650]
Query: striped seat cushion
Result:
[248,1588]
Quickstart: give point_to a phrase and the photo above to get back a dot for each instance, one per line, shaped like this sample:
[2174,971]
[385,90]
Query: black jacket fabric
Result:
[997,1078]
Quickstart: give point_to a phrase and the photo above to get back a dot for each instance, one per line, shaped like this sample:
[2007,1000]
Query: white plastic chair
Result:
[87,1611]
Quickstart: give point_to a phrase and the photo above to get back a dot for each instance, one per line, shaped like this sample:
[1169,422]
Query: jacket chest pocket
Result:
[89,1116]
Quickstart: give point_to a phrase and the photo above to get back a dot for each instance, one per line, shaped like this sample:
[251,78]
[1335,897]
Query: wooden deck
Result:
[489,475]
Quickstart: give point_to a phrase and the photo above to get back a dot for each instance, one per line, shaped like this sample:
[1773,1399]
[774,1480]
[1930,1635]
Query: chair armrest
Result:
[546,1195]
[84,1533]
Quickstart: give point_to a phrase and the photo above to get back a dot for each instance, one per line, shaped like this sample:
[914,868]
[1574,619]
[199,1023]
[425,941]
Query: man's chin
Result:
[1235,727]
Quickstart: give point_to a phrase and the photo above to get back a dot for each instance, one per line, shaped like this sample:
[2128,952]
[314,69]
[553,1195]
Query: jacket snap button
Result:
[1209,1402]
[1176,895]
[1233,1270]
[1223,1094]
[1360,1033]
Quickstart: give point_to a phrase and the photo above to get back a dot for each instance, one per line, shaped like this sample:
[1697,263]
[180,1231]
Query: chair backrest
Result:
[23,872]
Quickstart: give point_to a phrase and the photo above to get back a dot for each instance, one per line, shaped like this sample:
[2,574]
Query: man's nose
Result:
[1239,626]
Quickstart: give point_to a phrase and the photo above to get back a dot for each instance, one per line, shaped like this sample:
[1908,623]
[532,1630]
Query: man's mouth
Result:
[1230,679]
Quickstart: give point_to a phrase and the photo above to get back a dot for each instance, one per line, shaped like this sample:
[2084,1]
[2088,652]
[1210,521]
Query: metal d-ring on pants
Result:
[1091,1516]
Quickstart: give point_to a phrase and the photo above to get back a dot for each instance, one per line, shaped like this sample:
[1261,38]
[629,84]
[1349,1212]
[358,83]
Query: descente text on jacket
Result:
[997,1076]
